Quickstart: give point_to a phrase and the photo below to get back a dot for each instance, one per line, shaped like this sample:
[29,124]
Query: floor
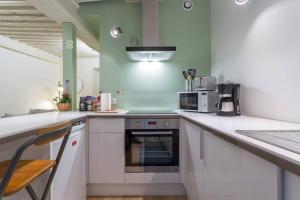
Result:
[138,198]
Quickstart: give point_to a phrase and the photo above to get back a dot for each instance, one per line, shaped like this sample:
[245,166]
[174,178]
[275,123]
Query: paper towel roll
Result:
[105,102]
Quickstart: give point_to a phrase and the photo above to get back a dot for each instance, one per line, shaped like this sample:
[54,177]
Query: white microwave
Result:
[198,101]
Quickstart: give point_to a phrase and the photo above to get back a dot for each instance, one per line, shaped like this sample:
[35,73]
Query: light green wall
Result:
[150,85]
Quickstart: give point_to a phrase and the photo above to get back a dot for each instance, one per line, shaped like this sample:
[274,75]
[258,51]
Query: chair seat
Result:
[26,171]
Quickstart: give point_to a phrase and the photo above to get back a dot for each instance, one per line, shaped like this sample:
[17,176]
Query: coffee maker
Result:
[229,97]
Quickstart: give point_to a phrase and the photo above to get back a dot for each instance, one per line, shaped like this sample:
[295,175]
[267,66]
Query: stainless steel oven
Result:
[152,145]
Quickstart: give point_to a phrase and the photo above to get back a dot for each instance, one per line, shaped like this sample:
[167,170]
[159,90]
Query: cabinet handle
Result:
[201,145]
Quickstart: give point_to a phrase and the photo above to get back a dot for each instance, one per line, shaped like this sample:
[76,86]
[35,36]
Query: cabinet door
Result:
[231,173]
[106,158]
[194,167]
[291,186]
[108,125]
[183,153]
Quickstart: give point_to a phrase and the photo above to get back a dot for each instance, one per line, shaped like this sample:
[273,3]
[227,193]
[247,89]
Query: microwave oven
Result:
[198,101]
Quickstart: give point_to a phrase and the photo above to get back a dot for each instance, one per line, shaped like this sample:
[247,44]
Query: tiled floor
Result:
[138,198]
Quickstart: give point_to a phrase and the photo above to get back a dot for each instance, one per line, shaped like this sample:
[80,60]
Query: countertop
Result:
[226,126]
[21,126]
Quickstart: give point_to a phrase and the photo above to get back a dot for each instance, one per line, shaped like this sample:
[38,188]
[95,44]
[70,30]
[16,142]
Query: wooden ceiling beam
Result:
[16,8]
[30,24]
[14,4]
[2,29]
[26,21]
[35,34]
[25,28]
[11,14]
[24,18]
[40,42]
[20,12]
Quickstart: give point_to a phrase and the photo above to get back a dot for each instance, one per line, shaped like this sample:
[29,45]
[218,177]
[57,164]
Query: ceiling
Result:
[22,22]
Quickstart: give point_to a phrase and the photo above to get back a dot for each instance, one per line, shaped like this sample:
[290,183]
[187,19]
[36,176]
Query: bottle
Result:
[82,104]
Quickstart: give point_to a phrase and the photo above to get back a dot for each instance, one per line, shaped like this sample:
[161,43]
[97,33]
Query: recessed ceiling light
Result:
[241,2]
[116,32]
[187,4]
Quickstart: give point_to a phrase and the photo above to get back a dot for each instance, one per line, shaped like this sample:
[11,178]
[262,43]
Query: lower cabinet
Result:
[232,173]
[213,169]
[106,152]
[291,186]
[191,160]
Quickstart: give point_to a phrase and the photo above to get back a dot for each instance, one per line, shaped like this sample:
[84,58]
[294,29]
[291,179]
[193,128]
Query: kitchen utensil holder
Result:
[188,85]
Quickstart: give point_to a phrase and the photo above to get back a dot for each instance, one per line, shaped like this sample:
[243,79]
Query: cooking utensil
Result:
[184,74]
[192,72]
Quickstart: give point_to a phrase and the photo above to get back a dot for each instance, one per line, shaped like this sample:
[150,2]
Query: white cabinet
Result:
[291,186]
[191,160]
[231,173]
[183,153]
[106,151]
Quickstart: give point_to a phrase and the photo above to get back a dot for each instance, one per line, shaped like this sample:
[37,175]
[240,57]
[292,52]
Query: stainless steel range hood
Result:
[151,51]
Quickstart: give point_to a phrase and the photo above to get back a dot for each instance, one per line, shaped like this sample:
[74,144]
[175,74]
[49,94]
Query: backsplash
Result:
[151,85]
[258,45]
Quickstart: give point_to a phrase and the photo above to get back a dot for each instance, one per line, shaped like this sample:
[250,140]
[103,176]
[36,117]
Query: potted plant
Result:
[64,103]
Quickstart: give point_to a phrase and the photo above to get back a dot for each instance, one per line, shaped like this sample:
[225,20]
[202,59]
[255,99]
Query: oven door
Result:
[189,101]
[152,151]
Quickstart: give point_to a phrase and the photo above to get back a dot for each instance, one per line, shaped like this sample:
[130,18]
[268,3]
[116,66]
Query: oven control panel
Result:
[152,123]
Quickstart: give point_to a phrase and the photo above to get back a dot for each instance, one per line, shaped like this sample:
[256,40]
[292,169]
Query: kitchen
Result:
[248,42]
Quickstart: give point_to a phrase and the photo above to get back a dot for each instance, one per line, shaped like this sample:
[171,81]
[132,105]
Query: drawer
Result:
[116,125]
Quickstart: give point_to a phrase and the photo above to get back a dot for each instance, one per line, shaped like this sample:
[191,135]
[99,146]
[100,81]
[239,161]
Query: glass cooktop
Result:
[151,112]
[289,140]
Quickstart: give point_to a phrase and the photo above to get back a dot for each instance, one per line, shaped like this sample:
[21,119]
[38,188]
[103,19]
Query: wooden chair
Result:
[17,174]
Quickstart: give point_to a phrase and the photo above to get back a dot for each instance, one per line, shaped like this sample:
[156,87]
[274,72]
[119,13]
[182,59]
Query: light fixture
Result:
[241,2]
[187,5]
[116,32]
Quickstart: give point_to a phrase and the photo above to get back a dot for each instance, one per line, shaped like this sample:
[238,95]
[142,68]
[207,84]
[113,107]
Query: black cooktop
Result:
[133,112]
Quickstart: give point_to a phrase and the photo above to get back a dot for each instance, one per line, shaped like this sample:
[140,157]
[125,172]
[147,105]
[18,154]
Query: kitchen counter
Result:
[22,126]
[225,128]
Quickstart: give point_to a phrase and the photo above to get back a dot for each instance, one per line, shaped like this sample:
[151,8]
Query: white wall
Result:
[88,75]
[26,82]
[258,45]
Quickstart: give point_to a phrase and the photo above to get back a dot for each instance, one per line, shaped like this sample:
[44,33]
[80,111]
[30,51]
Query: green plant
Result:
[65,99]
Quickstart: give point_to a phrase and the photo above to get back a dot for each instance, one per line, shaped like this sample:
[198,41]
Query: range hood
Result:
[150,51]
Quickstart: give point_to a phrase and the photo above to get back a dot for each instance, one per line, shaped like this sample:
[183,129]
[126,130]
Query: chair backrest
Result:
[53,132]
[43,136]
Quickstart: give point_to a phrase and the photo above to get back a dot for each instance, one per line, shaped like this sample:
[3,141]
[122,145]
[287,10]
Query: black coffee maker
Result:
[229,99]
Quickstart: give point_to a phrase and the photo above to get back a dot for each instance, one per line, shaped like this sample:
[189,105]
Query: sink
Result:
[285,139]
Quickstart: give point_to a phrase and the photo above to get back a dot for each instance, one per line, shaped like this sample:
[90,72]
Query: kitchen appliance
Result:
[205,83]
[151,112]
[70,180]
[228,103]
[198,101]
[151,49]
[152,145]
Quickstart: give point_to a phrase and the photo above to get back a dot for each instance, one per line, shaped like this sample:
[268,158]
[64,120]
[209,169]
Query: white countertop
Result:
[228,126]
[16,126]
